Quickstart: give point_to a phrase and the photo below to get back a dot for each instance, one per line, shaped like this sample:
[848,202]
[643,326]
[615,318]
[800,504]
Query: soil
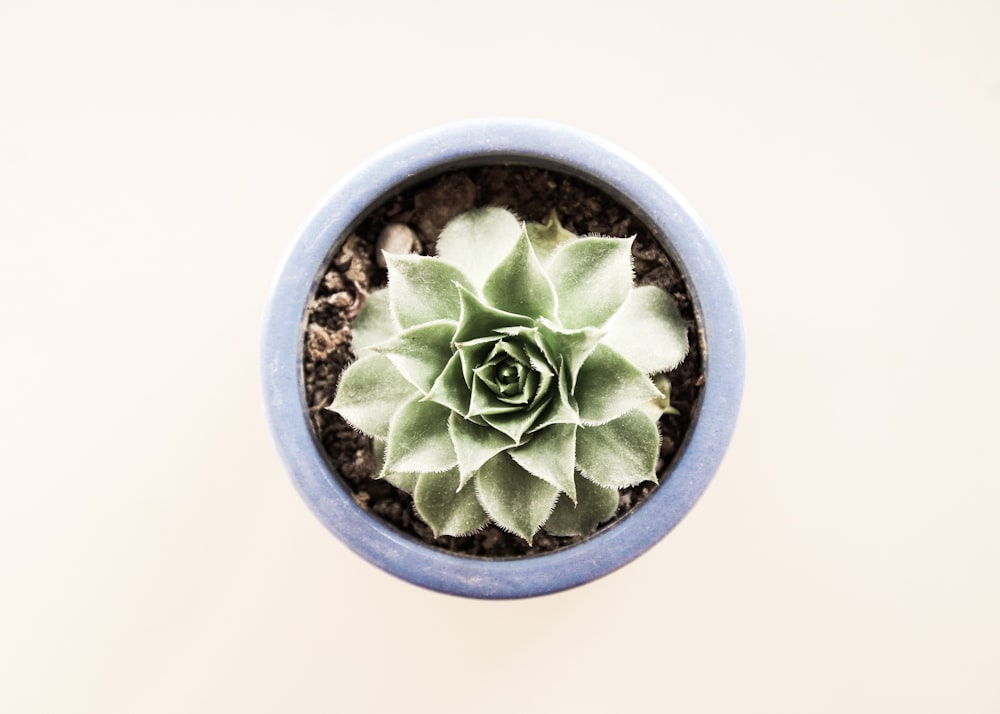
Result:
[531,193]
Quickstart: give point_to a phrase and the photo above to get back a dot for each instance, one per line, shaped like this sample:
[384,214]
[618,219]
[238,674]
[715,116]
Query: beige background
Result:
[156,161]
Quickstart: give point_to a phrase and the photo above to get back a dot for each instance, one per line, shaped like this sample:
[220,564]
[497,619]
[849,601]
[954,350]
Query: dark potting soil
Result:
[530,193]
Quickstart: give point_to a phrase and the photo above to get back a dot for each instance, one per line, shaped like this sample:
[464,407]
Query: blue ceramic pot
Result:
[623,178]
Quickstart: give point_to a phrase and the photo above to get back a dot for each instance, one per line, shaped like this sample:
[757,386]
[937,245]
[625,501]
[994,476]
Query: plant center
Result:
[507,374]
[508,378]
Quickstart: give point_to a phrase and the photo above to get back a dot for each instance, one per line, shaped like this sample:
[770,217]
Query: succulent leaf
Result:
[662,403]
[511,423]
[595,504]
[621,453]
[421,353]
[547,237]
[485,403]
[374,323]
[450,388]
[446,507]
[421,289]
[478,240]
[562,409]
[401,480]
[475,444]
[649,331]
[370,392]
[572,345]
[550,455]
[592,276]
[419,440]
[520,285]
[609,385]
[478,320]
[514,499]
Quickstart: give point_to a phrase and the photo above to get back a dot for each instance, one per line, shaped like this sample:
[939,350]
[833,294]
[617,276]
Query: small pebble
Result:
[396,238]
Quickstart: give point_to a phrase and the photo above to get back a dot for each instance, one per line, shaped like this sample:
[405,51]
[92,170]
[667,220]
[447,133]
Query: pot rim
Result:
[625,178]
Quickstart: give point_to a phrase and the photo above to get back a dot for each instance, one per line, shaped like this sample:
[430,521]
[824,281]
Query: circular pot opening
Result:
[424,203]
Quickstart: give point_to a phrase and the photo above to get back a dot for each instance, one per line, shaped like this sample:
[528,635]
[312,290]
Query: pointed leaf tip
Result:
[421,353]
[550,455]
[609,386]
[418,440]
[594,506]
[477,240]
[446,507]
[475,445]
[370,392]
[547,237]
[421,289]
[649,331]
[520,285]
[514,499]
[621,453]
[592,277]
[374,323]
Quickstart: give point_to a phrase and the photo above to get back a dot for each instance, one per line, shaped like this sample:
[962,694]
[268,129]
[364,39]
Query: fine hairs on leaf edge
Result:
[505,529]
[466,534]
[655,481]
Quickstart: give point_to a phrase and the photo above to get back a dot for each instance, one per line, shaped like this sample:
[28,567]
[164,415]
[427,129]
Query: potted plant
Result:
[495,382]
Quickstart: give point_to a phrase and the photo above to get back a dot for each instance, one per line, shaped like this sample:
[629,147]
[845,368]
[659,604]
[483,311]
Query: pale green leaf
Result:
[421,353]
[547,237]
[401,480]
[655,408]
[369,393]
[450,388]
[484,402]
[374,323]
[422,289]
[573,345]
[514,420]
[514,423]
[608,386]
[475,444]
[478,240]
[562,409]
[419,440]
[474,353]
[478,320]
[404,481]
[514,499]
[621,453]
[445,508]
[592,277]
[507,374]
[649,331]
[530,339]
[551,455]
[594,506]
[520,285]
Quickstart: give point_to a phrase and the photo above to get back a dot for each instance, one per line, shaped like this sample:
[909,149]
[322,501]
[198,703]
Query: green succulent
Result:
[511,378]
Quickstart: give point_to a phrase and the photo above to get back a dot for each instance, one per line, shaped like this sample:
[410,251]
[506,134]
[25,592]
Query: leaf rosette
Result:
[508,379]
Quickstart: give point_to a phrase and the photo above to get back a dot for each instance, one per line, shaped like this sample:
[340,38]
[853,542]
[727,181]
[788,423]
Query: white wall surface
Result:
[157,159]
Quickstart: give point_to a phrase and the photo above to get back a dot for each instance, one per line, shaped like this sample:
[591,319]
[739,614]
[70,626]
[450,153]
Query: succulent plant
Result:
[516,378]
